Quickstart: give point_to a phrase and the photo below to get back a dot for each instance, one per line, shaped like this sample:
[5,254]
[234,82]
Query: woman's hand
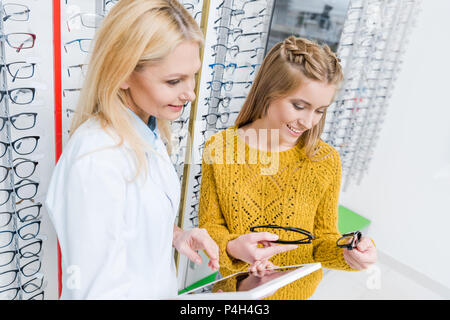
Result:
[188,241]
[260,268]
[363,256]
[245,247]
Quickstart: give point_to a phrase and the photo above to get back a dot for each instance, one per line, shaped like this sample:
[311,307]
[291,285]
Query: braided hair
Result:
[288,65]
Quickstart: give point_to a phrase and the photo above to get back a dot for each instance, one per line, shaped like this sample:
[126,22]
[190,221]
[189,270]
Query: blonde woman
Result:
[114,193]
[273,169]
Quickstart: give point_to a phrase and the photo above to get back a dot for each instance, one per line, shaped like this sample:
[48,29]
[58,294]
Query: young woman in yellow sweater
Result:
[272,168]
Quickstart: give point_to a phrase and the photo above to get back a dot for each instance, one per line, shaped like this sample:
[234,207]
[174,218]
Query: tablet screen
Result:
[243,281]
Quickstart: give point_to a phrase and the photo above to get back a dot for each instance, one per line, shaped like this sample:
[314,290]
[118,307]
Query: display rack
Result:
[23,112]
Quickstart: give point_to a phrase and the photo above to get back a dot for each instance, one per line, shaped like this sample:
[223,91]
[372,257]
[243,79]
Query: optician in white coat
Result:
[114,193]
[115,236]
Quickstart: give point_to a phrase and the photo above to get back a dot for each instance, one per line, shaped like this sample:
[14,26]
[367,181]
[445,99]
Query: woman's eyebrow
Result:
[307,103]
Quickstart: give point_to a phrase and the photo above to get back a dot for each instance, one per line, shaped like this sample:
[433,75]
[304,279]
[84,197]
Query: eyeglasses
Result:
[24,168]
[19,40]
[19,95]
[19,69]
[20,121]
[217,85]
[16,12]
[30,269]
[24,191]
[82,66]
[214,102]
[25,214]
[22,146]
[211,118]
[27,251]
[30,286]
[349,240]
[26,232]
[84,44]
[88,20]
[286,233]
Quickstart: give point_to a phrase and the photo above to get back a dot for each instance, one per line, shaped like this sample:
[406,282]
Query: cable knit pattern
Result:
[237,192]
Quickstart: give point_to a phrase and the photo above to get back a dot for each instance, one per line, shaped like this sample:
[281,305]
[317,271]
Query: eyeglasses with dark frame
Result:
[349,240]
[30,286]
[25,191]
[20,121]
[288,230]
[24,168]
[19,69]
[22,146]
[27,251]
[28,270]
[19,95]
[26,232]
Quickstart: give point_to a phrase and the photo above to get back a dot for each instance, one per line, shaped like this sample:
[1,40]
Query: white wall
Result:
[406,192]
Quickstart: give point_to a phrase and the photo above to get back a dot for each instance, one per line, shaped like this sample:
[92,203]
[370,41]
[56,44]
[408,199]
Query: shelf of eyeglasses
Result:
[27,271]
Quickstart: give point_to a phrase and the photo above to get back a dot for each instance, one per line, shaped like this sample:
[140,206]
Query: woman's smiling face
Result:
[163,88]
[299,111]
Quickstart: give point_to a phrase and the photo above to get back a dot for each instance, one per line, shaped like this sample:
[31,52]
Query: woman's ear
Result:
[124,85]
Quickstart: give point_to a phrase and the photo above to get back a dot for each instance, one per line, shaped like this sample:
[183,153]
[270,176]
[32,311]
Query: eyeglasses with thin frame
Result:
[28,270]
[83,44]
[88,20]
[19,69]
[16,12]
[19,96]
[82,66]
[31,286]
[23,168]
[25,214]
[25,191]
[291,232]
[20,121]
[22,146]
[26,232]
[29,250]
[19,40]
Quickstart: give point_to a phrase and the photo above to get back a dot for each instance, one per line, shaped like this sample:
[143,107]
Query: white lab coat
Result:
[115,235]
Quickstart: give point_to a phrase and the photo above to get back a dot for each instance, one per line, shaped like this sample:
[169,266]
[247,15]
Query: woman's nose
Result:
[306,121]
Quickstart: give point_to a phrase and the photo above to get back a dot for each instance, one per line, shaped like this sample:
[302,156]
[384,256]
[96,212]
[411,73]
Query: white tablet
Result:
[250,287]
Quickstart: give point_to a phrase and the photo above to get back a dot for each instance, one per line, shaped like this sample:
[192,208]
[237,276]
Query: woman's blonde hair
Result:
[287,65]
[134,34]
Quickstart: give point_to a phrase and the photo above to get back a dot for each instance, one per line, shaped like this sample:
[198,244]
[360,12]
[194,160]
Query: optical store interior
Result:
[388,121]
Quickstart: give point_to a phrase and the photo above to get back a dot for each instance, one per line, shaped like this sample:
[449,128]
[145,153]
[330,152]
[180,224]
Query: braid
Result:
[316,62]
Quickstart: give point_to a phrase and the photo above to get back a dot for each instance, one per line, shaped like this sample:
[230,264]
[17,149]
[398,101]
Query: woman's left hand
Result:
[188,241]
[363,256]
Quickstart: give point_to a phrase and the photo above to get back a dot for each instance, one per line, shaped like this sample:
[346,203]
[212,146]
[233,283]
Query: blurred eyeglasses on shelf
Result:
[88,20]
[83,69]
[20,121]
[19,40]
[19,69]
[83,44]
[19,95]
[15,12]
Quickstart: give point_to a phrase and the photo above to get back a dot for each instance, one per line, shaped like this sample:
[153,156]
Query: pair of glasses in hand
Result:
[349,240]
[286,233]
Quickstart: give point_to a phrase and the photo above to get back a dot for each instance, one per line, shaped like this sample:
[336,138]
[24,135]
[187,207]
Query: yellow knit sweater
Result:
[285,188]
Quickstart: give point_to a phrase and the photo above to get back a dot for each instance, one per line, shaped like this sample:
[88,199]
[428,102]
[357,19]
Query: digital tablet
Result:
[245,286]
